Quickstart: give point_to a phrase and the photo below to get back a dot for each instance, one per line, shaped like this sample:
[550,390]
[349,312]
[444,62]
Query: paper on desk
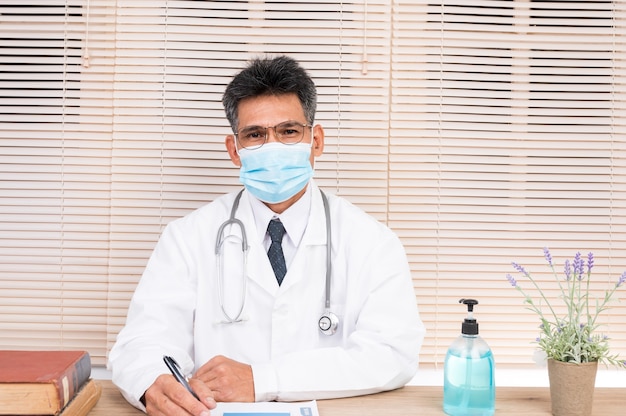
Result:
[266,409]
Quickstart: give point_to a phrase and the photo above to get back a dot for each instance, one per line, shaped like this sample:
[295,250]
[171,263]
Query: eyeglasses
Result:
[287,132]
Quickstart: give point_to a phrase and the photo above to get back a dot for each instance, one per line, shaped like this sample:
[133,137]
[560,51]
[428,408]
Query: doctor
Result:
[329,312]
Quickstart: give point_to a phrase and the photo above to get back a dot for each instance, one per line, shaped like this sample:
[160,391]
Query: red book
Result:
[41,382]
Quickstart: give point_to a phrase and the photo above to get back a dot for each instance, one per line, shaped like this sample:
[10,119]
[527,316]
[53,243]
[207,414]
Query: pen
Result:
[175,369]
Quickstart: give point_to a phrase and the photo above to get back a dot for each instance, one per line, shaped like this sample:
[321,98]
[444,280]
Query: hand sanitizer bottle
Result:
[469,379]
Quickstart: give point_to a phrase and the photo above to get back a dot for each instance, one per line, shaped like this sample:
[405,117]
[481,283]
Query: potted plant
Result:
[571,340]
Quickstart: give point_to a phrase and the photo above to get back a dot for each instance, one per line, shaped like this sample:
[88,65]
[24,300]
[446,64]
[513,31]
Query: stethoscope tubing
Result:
[244,248]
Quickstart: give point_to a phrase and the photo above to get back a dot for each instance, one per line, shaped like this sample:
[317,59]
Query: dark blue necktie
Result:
[276,230]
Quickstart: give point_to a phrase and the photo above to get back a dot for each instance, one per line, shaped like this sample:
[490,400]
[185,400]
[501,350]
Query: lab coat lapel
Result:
[259,268]
[303,264]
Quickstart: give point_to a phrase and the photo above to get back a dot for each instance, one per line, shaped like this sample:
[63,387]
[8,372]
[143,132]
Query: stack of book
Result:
[47,383]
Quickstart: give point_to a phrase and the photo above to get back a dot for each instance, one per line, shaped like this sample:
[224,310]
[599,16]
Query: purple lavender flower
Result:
[519,268]
[589,261]
[578,265]
[621,280]
[511,280]
[567,270]
[547,255]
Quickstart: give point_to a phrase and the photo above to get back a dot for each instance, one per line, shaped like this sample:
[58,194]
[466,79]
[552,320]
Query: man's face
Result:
[268,111]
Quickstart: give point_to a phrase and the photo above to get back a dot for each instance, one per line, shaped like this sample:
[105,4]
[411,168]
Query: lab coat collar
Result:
[292,217]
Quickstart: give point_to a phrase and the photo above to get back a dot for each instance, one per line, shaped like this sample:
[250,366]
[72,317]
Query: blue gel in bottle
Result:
[469,372]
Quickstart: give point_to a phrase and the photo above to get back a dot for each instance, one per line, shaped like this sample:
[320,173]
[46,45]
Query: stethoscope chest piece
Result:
[328,323]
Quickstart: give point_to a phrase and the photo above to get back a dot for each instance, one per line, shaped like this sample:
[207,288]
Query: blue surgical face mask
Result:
[275,172]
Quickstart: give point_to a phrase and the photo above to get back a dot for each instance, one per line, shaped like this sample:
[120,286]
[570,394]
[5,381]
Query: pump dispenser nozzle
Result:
[470,326]
[470,304]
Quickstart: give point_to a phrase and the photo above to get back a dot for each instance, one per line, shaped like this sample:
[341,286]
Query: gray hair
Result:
[270,76]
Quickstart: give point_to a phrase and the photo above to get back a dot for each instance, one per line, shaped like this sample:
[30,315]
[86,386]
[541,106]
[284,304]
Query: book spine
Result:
[73,379]
[84,401]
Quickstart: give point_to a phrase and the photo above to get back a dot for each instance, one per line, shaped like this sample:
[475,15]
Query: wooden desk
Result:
[411,400]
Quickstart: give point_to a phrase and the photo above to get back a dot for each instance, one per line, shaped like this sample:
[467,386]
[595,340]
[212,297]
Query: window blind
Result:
[54,176]
[506,137]
[479,133]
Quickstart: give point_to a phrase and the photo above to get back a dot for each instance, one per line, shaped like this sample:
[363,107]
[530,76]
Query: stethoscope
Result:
[328,322]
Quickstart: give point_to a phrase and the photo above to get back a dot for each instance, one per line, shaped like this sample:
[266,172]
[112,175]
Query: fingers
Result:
[207,371]
[203,392]
[229,380]
[167,397]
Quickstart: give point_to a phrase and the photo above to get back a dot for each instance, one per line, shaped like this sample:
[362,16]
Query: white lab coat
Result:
[176,309]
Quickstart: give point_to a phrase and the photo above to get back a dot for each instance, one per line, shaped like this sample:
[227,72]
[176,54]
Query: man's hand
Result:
[229,380]
[168,397]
